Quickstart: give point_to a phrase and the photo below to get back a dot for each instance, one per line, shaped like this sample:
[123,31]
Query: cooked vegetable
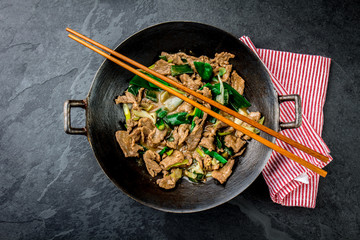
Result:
[133,89]
[215,155]
[222,71]
[149,94]
[172,103]
[184,162]
[164,95]
[163,58]
[197,113]
[218,142]
[161,113]
[176,119]
[170,152]
[180,69]
[163,150]
[220,97]
[236,100]
[126,111]
[211,118]
[201,153]
[160,124]
[204,69]
[145,114]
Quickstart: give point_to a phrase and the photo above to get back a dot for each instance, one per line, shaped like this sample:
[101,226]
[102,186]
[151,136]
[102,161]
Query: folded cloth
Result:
[291,184]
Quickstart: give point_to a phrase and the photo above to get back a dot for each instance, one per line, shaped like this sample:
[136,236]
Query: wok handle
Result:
[67,117]
[298,111]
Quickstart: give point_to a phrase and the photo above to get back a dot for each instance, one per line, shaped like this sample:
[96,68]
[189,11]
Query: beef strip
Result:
[128,98]
[162,67]
[173,144]
[175,157]
[221,59]
[195,136]
[130,124]
[156,136]
[127,143]
[169,180]
[183,132]
[185,107]
[237,82]
[234,142]
[222,174]
[208,138]
[151,158]
[190,83]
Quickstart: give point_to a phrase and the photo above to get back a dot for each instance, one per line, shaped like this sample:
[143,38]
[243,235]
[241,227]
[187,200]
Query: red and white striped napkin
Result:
[291,184]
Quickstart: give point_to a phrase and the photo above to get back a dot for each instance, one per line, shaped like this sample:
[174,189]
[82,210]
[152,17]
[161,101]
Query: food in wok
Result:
[171,136]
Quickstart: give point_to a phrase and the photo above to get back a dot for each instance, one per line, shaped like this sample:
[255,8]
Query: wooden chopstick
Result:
[267,143]
[208,100]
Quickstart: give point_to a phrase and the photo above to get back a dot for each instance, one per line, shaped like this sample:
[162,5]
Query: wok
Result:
[104,117]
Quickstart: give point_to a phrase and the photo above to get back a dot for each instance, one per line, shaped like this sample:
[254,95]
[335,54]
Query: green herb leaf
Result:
[215,155]
[204,69]
[181,69]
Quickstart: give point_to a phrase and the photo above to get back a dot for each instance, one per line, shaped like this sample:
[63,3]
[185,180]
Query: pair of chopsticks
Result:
[77,37]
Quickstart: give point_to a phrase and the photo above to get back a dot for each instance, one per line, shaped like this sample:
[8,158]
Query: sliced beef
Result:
[195,136]
[127,143]
[162,67]
[175,135]
[185,107]
[169,180]
[147,125]
[222,174]
[183,132]
[130,124]
[151,158]
[128,98]
[221,59]
[234,142]
[175,157]
[156,137]
[187,81]
[237,82]
[208,138]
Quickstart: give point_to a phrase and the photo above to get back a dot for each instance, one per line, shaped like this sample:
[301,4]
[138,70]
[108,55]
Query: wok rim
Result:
[208,206]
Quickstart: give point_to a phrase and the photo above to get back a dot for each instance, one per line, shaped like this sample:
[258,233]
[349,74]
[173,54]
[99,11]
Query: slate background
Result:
[51,185]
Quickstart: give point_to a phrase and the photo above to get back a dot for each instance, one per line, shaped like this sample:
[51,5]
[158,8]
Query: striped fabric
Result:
[307,76]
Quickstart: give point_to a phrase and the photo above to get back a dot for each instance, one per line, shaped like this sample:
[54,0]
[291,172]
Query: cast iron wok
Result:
[104,117]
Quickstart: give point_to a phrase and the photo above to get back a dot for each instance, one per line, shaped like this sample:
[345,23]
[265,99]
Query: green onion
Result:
[229,151]
[204,69]
[222,71]
[176,119]
[169,152]
[215,155]
[172,103]
[261,121]
[161,113]
[223,133]
[236,100]
[184,162]
[184,60]
[211,118]
[197,113]
[181,69]
[149,94]
[160,124]
[218,142]
[163,58]
[200,152]
[163,150]
[133,89]
[126,111]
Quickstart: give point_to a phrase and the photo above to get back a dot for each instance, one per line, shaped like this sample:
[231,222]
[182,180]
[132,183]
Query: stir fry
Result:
[171,136]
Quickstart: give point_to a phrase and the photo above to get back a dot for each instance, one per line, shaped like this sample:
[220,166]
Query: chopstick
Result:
[208,100]
[267,143]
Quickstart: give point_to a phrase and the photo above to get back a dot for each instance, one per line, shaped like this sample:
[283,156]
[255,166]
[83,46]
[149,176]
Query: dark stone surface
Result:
[51,185]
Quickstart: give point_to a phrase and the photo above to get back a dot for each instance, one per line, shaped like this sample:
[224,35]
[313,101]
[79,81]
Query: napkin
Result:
[291,184]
